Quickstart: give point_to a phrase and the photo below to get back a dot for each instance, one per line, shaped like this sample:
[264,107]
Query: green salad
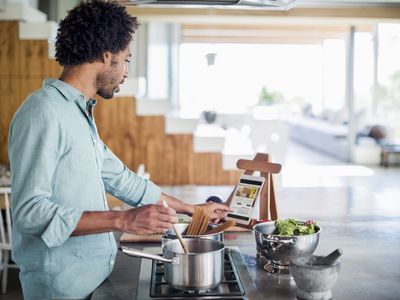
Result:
[291,227]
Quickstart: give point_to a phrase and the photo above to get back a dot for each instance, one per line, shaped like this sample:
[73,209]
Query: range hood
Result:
[263,4]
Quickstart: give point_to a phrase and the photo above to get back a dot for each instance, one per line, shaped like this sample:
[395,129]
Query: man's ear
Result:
[107,57]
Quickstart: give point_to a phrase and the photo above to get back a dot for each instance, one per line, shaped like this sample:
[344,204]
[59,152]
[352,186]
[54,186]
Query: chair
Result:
[5,236]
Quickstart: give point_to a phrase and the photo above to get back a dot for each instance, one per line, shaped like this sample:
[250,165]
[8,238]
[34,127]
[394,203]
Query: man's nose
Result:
[126,71]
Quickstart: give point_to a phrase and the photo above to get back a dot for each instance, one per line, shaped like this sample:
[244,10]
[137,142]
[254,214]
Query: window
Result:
[363,73]
[388,102]
[307,73]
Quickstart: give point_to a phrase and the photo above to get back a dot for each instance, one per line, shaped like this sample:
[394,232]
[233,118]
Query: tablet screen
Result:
[244,199]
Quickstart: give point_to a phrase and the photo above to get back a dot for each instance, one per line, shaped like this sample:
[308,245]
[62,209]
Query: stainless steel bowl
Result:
[280,249]
[181,227]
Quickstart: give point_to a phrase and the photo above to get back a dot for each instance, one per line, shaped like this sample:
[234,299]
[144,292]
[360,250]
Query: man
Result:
[62,227]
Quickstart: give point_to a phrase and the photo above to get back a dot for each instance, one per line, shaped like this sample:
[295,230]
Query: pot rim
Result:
[193,236]
[165,251]
[172,234]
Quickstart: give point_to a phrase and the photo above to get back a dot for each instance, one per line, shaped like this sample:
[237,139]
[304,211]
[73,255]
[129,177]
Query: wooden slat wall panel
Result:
[117,127]
[134,139]
[168,158]
[29,84]
[24,64]
[10,100]
[205,170]
[53,68]
[9,56]
[33,57]
[183,164]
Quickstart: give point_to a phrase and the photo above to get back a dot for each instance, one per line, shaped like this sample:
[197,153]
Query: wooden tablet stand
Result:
[267,201]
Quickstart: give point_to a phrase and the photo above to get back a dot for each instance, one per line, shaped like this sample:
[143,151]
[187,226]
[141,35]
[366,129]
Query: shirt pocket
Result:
[83,156]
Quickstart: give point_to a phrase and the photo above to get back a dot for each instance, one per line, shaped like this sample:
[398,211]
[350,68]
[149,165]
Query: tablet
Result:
[244,198]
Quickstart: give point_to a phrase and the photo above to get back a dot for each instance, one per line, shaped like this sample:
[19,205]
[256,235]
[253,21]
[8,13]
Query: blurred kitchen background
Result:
[316,86]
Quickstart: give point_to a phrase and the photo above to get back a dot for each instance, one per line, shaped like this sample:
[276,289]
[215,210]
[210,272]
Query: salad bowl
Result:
[281,249]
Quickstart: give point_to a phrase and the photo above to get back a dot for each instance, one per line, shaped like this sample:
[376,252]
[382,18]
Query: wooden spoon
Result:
[178,234]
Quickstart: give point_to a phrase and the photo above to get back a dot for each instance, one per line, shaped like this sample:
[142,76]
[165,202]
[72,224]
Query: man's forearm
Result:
[178,205]
[98,222]
[147,219]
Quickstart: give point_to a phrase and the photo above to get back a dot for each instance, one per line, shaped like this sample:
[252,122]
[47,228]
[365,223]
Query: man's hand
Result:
[148,219]
[216,211]
[144,220]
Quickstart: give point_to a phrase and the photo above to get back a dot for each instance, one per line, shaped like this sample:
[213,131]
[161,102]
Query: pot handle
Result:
[142,254]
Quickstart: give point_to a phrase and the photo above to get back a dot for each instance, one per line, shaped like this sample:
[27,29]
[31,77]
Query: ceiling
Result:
[346,3]
[264,4]
[354,12]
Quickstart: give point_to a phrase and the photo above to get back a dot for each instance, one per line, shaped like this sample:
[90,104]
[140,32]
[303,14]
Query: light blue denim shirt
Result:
[61,168]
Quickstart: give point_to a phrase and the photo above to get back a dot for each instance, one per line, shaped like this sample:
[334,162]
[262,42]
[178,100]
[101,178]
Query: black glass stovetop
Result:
[152,284]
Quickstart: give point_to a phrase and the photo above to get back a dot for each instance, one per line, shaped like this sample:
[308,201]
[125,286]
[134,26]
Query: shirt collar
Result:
[89,106]
[70,93]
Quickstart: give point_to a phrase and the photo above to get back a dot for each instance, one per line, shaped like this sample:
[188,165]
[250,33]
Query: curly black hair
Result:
[92,28]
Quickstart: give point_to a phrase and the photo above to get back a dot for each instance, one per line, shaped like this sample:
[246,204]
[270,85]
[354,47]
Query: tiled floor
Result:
[334,188]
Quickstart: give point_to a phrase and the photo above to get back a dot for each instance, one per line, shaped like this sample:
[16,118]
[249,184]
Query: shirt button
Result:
[111,262]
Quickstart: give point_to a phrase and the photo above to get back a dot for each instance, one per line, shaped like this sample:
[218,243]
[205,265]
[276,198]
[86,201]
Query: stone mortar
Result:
[314,281]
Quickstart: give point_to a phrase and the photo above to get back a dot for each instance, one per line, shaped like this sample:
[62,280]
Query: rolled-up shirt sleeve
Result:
[35,145]
[125,184]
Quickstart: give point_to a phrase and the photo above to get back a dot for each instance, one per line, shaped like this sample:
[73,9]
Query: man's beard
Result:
[105,90]
[106,94]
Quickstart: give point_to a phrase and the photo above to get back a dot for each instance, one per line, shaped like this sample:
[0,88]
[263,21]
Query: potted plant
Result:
[268,97]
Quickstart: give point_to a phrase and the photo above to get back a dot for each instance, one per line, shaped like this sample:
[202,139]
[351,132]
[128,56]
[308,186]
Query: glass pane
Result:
[388,105]
[363,77]
[312,74]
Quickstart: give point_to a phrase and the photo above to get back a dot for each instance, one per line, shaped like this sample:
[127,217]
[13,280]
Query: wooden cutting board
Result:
[136,238]
[155,238]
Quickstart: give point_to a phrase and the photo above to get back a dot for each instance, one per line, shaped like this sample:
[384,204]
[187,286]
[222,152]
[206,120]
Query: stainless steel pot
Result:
[200,269]
[181,227]
[280,249]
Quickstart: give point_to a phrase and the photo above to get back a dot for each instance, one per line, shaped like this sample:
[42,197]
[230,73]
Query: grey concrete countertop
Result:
[369,269]
[365,227]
